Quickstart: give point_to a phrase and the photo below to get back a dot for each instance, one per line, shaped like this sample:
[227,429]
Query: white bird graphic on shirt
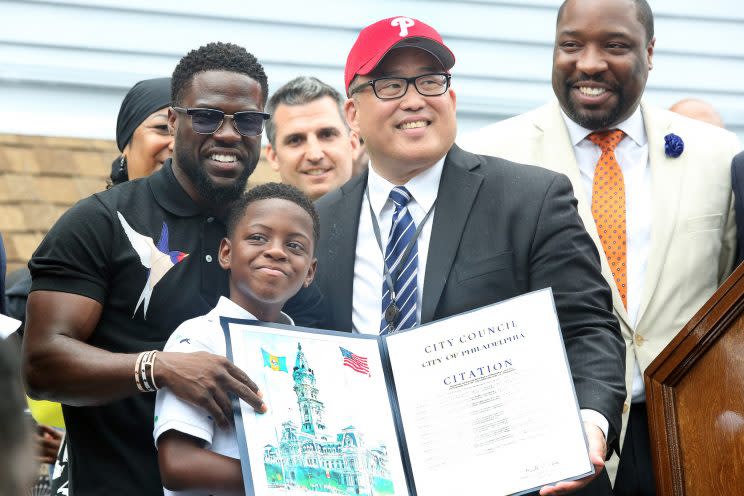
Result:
[157,258]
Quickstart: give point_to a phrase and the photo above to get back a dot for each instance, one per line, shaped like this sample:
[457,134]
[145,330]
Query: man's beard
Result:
[213,193]
[586,119]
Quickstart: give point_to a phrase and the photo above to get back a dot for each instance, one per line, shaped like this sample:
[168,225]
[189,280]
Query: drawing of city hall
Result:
[309,458]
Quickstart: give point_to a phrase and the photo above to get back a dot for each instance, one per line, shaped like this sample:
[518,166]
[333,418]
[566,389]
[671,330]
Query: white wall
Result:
[66,64]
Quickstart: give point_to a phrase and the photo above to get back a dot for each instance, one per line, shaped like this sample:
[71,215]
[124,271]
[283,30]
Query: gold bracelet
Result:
[137,372]
[143,372]
[152,371]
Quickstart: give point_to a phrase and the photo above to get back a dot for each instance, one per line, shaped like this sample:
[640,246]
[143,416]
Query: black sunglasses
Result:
[208,121]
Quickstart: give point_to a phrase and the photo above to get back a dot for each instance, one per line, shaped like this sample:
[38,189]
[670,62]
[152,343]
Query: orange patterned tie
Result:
[608,206]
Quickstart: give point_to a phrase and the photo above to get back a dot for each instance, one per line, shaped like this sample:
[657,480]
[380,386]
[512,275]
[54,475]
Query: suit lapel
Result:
[558,151]
[666,178]
[458,188]
[342,242]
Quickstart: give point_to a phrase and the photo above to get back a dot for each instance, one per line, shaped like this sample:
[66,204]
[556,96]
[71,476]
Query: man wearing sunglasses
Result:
[122,269]
[432,231]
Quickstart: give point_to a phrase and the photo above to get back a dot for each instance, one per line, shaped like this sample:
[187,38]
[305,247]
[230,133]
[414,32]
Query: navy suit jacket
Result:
[499,230]
[737,184]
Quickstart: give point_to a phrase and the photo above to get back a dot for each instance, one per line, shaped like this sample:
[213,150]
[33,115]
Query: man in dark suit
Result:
[737,184]
[431,230]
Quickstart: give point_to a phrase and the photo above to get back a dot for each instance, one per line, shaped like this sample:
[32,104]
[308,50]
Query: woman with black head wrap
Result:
[144,142]
[142,131]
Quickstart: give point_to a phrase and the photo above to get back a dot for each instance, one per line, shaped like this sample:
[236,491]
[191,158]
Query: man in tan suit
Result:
[672,236]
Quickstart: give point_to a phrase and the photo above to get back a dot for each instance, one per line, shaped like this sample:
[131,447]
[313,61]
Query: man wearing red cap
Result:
[432,231]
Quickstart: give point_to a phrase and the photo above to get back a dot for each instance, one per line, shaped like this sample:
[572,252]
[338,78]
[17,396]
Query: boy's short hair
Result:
[216,56]
[268,191]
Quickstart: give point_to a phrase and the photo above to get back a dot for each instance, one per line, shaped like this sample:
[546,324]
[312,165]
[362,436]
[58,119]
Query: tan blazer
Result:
[692,225]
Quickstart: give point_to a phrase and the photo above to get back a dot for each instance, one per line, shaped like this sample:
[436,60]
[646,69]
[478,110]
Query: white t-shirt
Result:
[202,333]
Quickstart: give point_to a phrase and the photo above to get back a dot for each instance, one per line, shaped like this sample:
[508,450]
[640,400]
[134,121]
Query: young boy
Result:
[269,250]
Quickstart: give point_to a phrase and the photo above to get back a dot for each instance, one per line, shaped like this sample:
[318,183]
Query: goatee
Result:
[586,119]
[218,195]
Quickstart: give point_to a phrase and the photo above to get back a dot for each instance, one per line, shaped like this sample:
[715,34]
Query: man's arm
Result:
[59,365]
[564,257]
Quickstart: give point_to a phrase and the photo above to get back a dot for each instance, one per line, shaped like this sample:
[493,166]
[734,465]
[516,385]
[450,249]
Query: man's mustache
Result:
[613,86]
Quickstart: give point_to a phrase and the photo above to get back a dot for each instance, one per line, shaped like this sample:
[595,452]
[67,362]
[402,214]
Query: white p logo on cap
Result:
[404,23]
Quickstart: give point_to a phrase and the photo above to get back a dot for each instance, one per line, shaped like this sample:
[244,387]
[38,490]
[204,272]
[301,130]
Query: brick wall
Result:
[41,177]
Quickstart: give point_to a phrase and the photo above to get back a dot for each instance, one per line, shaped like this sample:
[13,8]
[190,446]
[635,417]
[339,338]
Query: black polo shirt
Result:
[148,254]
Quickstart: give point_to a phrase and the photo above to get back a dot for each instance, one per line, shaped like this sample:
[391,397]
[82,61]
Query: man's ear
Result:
[172,116]
[355,145]
[271,157]
[351,114]
[311,272]
[650,53]
[224,253]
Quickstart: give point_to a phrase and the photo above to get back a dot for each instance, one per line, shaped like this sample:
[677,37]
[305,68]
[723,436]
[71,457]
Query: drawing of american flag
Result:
[355,362]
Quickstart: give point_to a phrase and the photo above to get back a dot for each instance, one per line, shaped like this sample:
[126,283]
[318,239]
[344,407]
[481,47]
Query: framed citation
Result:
[481,402]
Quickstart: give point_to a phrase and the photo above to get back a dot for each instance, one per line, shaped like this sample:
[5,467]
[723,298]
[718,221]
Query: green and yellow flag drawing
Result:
[278,363]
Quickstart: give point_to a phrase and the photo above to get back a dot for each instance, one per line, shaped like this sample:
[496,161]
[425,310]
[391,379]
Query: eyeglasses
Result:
[389,88]
[208,121]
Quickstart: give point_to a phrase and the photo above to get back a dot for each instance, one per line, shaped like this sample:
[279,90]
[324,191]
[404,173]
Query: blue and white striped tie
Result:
[402,231]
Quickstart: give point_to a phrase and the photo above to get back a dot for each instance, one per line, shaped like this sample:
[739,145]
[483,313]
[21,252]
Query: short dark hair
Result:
[267,191]
[300,91]
[216,56]
[643,13]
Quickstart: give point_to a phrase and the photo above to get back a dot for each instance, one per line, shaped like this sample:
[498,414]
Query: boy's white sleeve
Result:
[171,412]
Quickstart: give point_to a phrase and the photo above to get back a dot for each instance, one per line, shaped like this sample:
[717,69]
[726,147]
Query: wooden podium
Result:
[695,400]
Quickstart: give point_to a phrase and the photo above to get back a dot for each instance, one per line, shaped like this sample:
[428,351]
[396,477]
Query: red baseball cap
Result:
[377,39]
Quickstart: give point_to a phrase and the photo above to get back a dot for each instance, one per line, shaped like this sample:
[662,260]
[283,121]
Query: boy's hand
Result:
[204,380]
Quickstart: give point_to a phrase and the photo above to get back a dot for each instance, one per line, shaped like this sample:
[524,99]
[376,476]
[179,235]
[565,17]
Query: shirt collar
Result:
[169,193]
[632,127]
[227,308]
[423,187]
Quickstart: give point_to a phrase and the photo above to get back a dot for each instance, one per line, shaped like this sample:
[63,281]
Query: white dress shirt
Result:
[368,272]
[632,156]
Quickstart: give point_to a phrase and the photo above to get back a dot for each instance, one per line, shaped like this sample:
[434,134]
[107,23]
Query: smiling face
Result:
[314,148]
[213,169]
[150,146]
[269,255]
[406,135]
[601,61]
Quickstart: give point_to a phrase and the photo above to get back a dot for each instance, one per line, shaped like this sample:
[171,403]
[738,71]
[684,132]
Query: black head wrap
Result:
[143,99]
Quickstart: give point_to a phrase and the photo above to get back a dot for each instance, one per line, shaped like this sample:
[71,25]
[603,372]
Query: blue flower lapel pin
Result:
[673,145]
